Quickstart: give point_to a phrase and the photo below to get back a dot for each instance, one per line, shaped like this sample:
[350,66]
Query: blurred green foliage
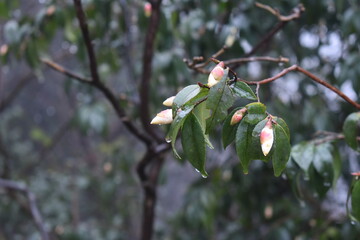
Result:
[83,173]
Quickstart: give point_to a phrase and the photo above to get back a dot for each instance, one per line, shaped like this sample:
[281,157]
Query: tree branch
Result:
[296,12]
[88,43]
[66,72]
[310,75]
[147,69]
[8,184]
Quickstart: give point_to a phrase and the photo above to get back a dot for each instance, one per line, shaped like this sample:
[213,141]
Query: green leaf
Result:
[255,112]
[303,155]
[243,143]
[229,131]
[317,182]
[351,130]
[355,199]
[281,149]
[202,114]
[337,164]
[185,95]
[220,99]
[175,127]
[283,124]
[323,162]
[243,90]
[193,142]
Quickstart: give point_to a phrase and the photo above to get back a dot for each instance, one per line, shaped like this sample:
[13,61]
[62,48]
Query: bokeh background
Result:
[63,139]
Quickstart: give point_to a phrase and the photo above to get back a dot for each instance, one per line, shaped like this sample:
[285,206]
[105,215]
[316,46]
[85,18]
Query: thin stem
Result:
[296,12]
[147,70]
[65,71]
[88,43]
[32,204]
[311,76]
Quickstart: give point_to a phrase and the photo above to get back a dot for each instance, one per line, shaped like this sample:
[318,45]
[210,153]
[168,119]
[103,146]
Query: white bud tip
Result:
[169,101]
[163,117]
[266,139]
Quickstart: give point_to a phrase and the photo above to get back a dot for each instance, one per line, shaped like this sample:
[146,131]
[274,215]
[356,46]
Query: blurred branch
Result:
[8,184]
[13,94]
[200,69]
[66,72]
[147,69]
[296,12]
[311,76]
[88,43]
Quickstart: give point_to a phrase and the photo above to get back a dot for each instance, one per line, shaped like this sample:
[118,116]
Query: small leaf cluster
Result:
[198,109]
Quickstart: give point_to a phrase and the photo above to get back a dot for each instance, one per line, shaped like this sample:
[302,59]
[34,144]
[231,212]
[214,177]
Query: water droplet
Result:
[204,176]
[168,140]
[353,222]
[197,170]
[283,176]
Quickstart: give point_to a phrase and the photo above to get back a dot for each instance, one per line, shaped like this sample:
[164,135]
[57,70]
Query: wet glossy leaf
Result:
[185,95]
[243,143]
[255,112]
[229,131]
[323,162]
[281,150]
[193,142]
[243,90]
[351,130]
[220,99]
[175,127]
[303,154]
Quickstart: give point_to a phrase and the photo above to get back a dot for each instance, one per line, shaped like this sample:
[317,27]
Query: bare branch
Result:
[311,76]
[8,184]
[88,43]
[147,69]
[257,59]
[296,12]
[66,72]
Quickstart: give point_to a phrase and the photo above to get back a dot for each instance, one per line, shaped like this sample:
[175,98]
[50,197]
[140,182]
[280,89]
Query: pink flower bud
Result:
[357,174]
[216,74]
[147,9]
[169,101]
[238,115]
[163,117]
[267,137]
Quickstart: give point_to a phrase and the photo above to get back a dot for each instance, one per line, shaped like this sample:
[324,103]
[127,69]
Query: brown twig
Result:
[311,76]
[257,59]
[296,12]
[200,69]
[88,43]
[65,71]
[147,70]
[8,184]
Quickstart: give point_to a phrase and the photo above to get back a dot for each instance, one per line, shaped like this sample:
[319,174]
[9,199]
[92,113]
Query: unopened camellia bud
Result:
[163,117]
[238,115]
[169,101]
[267,137]
[216,74]
[147,9]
